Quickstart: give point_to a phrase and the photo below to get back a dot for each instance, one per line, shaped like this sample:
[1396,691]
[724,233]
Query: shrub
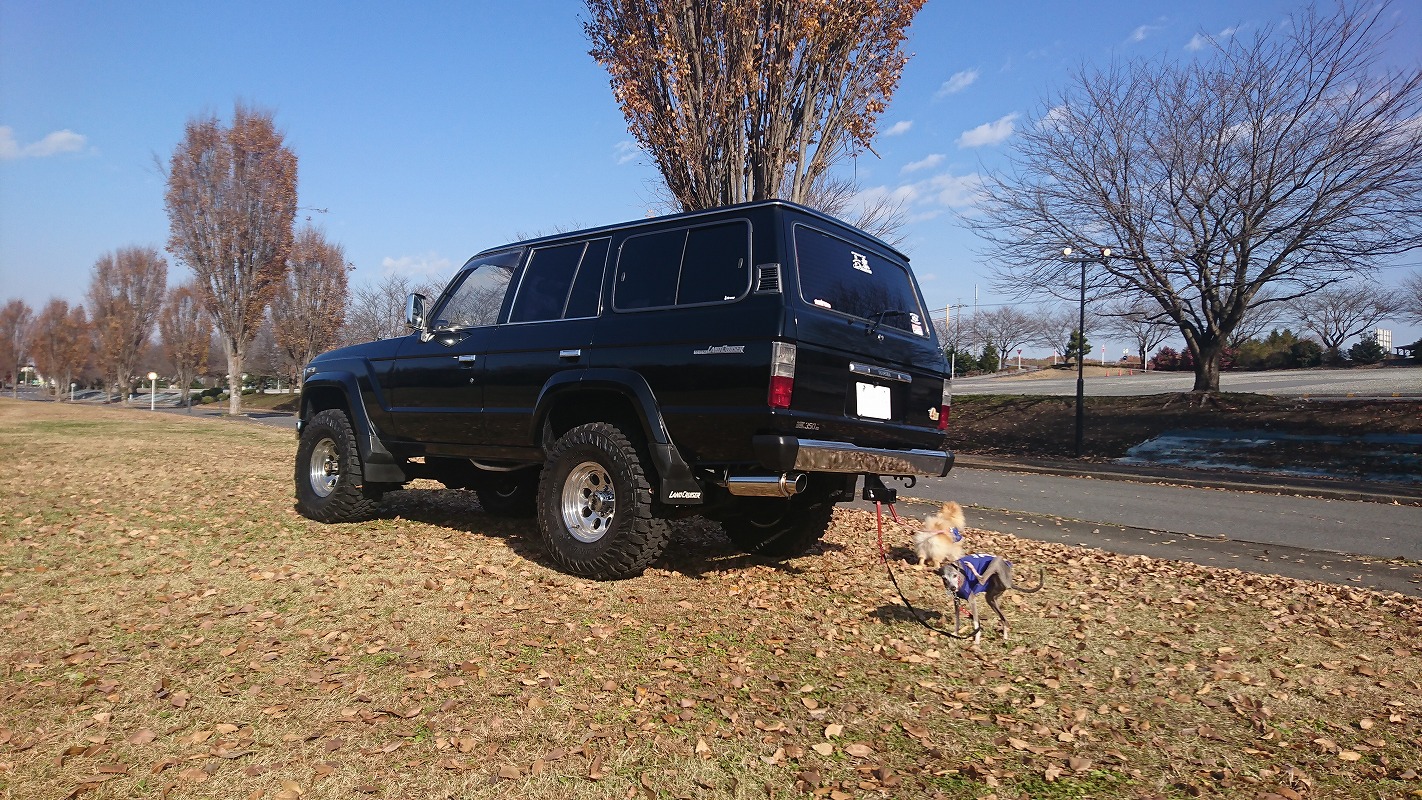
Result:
[1367,351]
[1417,351]
[988,361]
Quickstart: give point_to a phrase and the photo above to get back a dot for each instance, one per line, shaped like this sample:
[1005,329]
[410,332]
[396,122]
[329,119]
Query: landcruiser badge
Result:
[861,262]
[720,349]
[933,414]
[684,496]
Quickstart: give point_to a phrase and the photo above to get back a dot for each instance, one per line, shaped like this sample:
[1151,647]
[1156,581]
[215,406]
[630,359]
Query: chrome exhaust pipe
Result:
[787,485]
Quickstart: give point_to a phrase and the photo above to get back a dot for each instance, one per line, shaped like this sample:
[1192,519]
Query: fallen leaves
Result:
[208,637]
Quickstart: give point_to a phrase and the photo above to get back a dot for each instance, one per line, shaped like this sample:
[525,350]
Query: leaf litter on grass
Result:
[171,627]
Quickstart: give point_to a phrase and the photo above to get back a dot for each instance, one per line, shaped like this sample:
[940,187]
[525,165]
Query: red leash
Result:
[884,556]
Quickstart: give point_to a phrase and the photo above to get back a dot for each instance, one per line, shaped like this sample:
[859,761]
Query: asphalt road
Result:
[1342,541]
[1360,382]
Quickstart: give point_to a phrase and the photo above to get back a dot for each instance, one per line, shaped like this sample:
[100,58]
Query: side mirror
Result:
[415,311]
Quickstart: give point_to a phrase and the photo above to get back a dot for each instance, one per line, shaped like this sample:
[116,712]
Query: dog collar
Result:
[957,535]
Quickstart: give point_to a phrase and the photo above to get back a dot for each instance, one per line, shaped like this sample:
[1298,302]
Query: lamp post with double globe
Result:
[1082,259]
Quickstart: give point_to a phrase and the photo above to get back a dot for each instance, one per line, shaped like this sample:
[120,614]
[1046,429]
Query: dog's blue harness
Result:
[972,567]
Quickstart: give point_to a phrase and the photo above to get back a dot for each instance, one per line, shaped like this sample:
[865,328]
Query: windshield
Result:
[854,280]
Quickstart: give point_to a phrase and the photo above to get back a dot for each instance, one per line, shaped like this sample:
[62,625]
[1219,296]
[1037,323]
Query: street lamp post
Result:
[152,390]
[1083,260]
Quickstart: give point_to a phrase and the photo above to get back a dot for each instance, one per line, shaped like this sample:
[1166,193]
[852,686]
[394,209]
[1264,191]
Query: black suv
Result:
[746,364]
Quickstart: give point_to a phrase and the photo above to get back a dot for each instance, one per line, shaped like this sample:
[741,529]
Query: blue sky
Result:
[429,130]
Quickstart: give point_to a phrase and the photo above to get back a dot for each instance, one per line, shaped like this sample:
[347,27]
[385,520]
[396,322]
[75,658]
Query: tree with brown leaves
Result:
[186,332]
[750,99]
[61,343]
[15,320]
[1274,167]
[125,293]
[308,313]
[231,201]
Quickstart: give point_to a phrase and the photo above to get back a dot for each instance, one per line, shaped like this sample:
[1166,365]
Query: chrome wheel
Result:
[588,502]
[324,468]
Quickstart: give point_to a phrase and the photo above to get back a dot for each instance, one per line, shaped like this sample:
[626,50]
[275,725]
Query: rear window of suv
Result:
[850,279]
[683,267]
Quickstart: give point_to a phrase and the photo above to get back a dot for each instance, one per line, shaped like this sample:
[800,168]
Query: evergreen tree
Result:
[1367,350]
[1076,346]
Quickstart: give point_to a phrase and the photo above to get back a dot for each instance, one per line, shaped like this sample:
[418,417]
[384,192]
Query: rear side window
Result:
[587,287]
[852,279]
[686,266]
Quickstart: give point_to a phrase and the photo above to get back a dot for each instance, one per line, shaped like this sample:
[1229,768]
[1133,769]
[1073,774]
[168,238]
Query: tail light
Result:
[782,374]
[947,406]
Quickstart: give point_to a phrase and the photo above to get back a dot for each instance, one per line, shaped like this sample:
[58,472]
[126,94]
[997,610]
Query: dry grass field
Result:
[170,627]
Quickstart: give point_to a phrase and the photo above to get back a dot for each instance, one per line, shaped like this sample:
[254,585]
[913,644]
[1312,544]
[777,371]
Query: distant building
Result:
[1384,338]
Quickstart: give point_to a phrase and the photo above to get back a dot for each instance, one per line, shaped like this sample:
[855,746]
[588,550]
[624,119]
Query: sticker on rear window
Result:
[861,262]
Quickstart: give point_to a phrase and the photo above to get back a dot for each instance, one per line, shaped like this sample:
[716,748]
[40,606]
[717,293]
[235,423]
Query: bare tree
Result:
[1052,326]
[186,331]
[15,320]
[125,294]
[750,99]
[377,311]
[1138,320]
[1005,328]
[61,343]
[1340,312]
[231,201]
[1409,298]
[1284,162]
[1257,319]
[307,315]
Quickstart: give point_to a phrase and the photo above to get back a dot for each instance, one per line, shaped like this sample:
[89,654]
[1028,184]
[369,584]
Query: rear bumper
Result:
[785,453]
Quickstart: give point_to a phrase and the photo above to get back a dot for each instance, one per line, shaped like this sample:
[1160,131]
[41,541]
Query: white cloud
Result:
[1142,32]
[1200,41]
[626,150]
[928,162]
[989,133]
[1053,117]
[899,127]
[956,191]
[428,265]
[65,141]
[957,83]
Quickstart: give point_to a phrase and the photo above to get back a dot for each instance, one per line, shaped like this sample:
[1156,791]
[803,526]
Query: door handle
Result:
[570,354]
[467,358]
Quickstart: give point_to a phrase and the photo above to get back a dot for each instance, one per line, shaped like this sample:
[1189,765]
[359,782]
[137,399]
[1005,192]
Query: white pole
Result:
[152,390]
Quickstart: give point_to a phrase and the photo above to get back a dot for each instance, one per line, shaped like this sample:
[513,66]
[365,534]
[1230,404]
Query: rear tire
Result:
[329,475]
[595,505]
[780,528]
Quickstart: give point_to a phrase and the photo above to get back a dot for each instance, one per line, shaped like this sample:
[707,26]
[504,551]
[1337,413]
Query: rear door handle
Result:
[572,355]
[467,358]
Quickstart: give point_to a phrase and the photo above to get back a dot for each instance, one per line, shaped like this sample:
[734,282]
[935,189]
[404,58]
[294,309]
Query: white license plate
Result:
[873,401]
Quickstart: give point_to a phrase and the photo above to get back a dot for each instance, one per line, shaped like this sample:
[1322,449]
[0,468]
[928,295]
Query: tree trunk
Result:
[1207,365]
[234,379]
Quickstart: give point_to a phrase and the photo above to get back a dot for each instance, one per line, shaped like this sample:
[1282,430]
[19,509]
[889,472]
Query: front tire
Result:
[329,475]
[595,505]
[780,528]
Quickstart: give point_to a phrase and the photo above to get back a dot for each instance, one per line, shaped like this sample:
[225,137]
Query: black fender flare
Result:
[677,486]
[379,464]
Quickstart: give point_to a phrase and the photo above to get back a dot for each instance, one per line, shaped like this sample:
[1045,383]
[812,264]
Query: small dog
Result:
[940,542]
[985,574]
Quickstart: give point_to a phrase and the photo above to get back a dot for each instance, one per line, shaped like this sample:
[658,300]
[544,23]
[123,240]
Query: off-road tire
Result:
[780,528]
[595,505]
[510,494]
[329,476]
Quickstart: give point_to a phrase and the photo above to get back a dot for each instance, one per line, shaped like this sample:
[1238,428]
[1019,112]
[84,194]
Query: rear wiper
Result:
[879,318]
